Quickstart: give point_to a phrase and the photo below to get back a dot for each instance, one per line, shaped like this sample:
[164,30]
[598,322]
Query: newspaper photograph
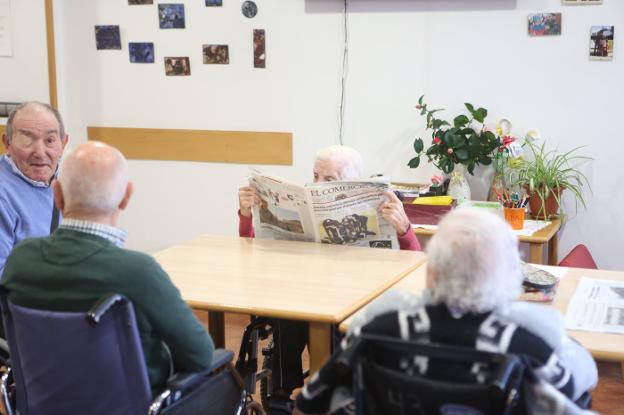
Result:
[343,213]
[346,213]
[597,305]
[283,212]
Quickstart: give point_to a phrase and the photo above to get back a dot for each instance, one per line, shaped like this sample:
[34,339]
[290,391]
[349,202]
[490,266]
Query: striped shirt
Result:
[110,233]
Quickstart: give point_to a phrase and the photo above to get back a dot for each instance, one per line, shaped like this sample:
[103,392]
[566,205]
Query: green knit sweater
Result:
[71,270]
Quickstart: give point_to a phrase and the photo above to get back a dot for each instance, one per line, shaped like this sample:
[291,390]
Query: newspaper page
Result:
[597,305]
[346,213]
[283,212]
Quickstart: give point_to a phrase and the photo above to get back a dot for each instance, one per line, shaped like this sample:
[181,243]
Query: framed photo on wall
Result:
[601,43]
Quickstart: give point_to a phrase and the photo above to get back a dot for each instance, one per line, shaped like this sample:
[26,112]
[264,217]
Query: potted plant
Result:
[546,174]
[464,144]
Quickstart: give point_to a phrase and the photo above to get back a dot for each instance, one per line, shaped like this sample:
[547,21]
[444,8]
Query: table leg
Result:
[216,327]
[553,250]
[536,253]
[319,345]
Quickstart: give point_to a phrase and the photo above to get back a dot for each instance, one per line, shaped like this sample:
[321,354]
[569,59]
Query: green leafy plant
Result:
[459,143]
[548,172]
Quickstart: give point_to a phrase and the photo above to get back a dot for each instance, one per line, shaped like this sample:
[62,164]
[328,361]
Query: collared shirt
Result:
[23,176]
[115,235]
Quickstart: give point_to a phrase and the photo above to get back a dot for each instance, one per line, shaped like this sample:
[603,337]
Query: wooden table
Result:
[537,241]
[319,283]
[602,346]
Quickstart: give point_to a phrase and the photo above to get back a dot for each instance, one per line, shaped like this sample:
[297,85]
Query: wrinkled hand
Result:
[247,198]
[392,211]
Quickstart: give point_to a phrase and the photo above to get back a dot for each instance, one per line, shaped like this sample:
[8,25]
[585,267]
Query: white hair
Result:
[94,178]
[350,160]
[474,256]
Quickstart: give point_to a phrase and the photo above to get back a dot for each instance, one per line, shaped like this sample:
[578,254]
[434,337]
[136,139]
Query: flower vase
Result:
[498,181]
[458,186]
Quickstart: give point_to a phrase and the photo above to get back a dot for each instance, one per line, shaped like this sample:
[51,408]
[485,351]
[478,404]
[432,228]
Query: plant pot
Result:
[551,205]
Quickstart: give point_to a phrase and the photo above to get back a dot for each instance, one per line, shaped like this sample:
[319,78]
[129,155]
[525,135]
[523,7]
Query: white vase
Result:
[458,187]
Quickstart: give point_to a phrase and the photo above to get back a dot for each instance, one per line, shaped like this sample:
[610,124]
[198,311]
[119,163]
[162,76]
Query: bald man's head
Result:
[93,179]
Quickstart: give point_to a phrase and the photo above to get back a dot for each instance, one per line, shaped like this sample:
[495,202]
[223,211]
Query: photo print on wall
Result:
[601,43]
[216,54]
[249,9]
[171,16]
[581,2]
[177,66]
[137,2]
[107,37]
[214,3]
[544,24]
[259,46]
[141,52]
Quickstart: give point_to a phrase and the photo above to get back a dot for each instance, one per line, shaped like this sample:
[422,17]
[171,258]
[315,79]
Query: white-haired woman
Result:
[473,278]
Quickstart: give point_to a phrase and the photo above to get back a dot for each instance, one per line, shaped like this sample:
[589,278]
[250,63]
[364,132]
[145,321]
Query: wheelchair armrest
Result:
[102,306]
[185,381]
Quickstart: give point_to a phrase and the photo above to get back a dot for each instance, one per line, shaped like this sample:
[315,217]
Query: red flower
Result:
[501,149]
[418,106]
[450,151]
[436,140]
[508,140]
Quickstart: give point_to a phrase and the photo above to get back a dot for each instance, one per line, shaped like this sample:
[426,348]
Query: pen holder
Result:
[515,217]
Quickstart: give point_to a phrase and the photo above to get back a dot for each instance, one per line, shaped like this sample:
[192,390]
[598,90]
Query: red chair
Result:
[579,257]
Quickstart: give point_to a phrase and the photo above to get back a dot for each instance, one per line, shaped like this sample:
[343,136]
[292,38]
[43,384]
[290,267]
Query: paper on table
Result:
[597,305]
[530,227]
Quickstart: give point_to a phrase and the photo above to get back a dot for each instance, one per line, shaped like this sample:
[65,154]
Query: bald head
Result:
[93,179]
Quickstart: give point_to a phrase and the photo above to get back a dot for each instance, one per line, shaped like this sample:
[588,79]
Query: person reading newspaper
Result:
[334,163]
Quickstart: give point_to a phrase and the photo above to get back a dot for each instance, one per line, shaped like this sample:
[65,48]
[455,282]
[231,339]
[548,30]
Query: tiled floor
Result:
[608,398]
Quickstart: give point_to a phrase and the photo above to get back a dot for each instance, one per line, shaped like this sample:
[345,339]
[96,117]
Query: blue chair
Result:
[92,363]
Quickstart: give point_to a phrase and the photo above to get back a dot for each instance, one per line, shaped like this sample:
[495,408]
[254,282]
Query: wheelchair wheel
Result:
[265,383]
[254,408]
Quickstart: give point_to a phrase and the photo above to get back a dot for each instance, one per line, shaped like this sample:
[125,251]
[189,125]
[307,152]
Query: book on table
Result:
[339,212]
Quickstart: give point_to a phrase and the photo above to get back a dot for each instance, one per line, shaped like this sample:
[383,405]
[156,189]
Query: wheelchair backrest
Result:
[67,363]
[405,377]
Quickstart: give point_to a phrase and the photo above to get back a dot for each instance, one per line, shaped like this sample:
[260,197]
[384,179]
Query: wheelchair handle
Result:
[103,305]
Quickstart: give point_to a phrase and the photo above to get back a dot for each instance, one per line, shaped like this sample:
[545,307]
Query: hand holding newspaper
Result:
[341,212]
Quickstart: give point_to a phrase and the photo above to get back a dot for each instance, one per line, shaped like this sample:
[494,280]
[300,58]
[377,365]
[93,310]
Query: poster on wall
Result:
[601,43]
[216,54]
[141,52]
[6,48]
[544,24]
[107,37]
[171,16]
[581,2]
[259,47]
[214,3]
[177,66]
[137,2]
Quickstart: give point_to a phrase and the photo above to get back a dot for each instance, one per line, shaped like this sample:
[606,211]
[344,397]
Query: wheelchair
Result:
[259,328]
[102,369]
[391,376]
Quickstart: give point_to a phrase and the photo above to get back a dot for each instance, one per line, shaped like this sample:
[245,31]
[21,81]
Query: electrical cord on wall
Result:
[345,63]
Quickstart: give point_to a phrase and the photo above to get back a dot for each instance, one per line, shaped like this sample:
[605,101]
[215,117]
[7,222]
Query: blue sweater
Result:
[25,210]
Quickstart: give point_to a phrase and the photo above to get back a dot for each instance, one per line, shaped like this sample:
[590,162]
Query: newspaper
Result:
[341,212]
[597,305]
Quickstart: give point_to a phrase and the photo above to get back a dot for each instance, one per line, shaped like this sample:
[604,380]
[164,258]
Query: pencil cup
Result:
[515,217]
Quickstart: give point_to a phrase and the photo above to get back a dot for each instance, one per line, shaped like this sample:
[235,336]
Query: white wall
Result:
[24,76]
[452,50]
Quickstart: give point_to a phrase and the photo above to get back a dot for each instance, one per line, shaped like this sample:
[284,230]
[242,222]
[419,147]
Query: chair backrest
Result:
[77,362]
[579,257]
[457,380]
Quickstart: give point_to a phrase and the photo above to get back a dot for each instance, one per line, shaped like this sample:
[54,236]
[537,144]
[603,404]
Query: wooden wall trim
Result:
[49,15]
[245,147]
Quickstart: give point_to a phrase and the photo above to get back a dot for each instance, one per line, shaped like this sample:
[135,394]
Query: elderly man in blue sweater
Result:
[34,141]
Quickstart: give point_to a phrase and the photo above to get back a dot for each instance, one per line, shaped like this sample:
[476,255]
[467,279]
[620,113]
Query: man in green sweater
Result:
[83,260]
